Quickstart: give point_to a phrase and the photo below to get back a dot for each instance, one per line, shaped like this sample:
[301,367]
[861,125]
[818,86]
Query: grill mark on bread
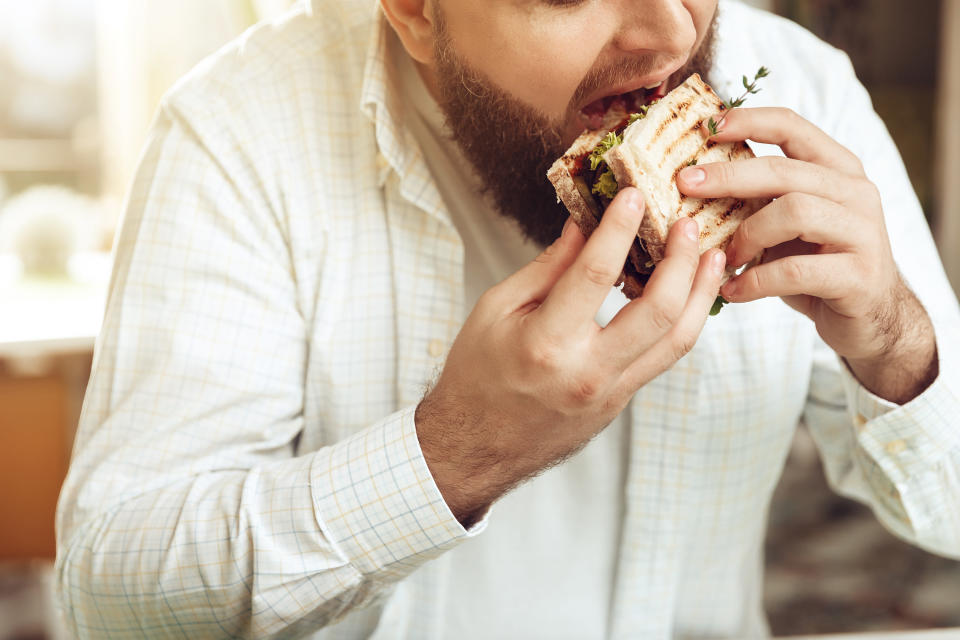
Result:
[675,112]
[700,207]
[680,115]
[734,206]
[673,145]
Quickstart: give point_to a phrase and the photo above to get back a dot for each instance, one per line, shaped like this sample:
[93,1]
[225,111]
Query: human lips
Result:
[634,94]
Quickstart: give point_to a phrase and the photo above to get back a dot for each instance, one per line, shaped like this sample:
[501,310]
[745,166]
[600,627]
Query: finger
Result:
[581,290]
[828,276]
[793,216]
[534,280]
[648,318]
[767,177]
[684,334]
[797,136]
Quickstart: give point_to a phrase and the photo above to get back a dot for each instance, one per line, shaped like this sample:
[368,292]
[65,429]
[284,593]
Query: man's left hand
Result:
[826,249]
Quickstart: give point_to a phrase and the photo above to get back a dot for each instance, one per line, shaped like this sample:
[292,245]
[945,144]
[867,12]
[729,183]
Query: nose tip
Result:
[661,26]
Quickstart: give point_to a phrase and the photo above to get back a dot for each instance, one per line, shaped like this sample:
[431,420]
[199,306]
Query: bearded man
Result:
[358,378]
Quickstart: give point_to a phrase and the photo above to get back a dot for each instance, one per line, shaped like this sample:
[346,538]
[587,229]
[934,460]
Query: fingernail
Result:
[691,229]
[717,262]
[635,200]
[693,175]
[566,226]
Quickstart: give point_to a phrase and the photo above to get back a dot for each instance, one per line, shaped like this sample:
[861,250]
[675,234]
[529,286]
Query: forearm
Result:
[227,548]
[908,363]
[212,551]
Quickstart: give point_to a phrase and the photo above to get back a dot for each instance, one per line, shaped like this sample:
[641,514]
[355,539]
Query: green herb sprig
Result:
[609,142]
[717,305]
[733,103]
[714,127]
[605,183]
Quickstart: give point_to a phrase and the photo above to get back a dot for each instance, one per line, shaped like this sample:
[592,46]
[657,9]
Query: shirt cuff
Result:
[377,501]
[907,435]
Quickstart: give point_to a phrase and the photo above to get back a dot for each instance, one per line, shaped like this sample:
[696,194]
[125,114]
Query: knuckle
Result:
[547,255]
[541,355]
[600,274]
[792,117]
[744,234]
[780,167]
[544,359]
[870,191]
[752,281]
[662,316]
[857,164]
[683,345]
[795,207]
[584,390]
[489,299]
[793,272]
[722,172]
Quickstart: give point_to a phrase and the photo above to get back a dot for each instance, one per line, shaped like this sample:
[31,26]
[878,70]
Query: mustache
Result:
[612,75]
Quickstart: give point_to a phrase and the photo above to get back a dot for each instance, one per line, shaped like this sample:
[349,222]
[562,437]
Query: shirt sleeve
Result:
[902,461]
[188,511]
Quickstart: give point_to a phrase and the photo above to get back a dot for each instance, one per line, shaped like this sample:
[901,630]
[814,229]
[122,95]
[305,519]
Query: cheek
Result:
[526,55]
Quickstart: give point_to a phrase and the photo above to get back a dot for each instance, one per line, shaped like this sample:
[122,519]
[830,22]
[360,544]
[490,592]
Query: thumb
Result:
[535,279]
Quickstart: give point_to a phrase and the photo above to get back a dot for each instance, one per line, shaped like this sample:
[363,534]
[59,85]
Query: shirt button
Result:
[896,446]
[859,420]
[435,348]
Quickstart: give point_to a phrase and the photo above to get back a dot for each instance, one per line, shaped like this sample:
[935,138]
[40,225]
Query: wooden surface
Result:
[47,331]
[33,462]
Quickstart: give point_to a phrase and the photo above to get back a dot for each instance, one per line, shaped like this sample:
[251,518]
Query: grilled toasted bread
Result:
[656,148]
[573,189]
[653,151]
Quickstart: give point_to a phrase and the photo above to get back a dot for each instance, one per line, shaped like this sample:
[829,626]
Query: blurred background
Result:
[79,83]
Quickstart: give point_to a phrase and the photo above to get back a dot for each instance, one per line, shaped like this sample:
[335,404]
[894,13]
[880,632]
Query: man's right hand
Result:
[532,377]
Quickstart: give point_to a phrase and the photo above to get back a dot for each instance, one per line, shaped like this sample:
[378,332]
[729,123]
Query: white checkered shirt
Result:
[287,281]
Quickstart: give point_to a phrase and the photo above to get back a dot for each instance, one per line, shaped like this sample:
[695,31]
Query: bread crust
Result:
[565,176]
[654,151]
[564,171]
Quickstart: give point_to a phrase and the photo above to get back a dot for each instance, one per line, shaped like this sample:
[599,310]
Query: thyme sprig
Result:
[718,305]
[733,103]
[714,127]
[729,105]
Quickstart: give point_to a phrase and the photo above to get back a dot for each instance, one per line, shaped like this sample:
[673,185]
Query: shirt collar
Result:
[383,102]
[381,99]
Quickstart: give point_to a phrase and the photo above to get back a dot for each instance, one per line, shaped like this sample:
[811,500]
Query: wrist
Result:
[469,474]
[908,363]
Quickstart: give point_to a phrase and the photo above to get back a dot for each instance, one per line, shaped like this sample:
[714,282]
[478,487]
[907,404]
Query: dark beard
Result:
[510,144]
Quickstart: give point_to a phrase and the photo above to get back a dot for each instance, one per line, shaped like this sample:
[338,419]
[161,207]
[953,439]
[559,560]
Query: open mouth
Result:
[592,114]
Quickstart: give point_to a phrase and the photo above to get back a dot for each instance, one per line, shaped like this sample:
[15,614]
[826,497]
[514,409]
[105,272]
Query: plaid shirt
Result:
[287,281]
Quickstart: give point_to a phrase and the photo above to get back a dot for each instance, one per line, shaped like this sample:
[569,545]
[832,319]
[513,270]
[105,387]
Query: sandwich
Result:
[646,146]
